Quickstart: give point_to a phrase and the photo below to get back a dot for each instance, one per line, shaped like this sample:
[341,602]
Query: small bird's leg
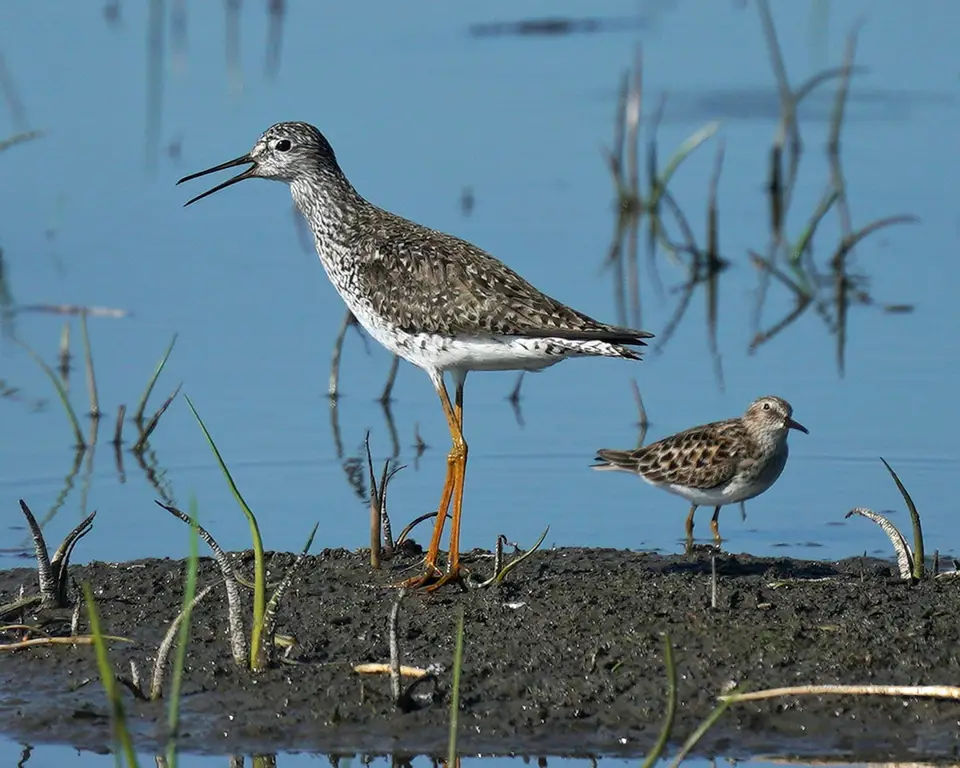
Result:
[715,526]
[460,470]
[693,508]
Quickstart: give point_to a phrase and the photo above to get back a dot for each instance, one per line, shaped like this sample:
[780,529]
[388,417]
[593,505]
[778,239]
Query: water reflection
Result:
[832,287]
[409,760]
[834,292]
[559,26]
[85,445]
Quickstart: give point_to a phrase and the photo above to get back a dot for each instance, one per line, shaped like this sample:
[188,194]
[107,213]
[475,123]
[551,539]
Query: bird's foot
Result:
[693,548]
[430,574]
[452,575]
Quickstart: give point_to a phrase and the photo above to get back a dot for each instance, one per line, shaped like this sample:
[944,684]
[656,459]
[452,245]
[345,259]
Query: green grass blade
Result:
[698,734]
[803,242]
[146,431]
[259,567]
[64,397]
[138,415]
[664,736]
[682,153]
[108,678]
[455,695]
[915,519]
[498,578]
[189,591]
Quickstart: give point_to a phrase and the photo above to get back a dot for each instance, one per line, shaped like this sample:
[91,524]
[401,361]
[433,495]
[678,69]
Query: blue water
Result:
[418,109]
[41,757]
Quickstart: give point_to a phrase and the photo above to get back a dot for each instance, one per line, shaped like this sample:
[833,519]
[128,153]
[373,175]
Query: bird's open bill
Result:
[791,424]
[242,160]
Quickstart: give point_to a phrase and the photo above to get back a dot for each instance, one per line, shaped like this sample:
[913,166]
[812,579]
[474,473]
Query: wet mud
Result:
[564,658]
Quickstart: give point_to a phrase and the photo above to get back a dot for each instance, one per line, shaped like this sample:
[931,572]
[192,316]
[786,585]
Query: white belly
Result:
[478,353]
[486,353]
[741,488]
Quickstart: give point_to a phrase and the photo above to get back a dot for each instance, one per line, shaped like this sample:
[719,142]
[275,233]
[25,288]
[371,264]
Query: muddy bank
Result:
[565,658]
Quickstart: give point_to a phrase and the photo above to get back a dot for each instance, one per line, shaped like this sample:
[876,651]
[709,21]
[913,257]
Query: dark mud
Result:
[564,658]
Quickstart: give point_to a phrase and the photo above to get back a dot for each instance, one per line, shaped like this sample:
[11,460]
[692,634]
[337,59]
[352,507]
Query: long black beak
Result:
[242,160]
[791,424]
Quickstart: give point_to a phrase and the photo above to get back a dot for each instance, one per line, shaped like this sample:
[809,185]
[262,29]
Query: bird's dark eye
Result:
[283,145]
[766,406]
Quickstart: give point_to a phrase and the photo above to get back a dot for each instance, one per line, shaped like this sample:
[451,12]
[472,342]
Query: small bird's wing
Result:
[424,280]
[702,457]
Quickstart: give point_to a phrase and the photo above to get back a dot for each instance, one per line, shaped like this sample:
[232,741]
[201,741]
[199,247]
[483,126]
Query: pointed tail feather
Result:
[612,460]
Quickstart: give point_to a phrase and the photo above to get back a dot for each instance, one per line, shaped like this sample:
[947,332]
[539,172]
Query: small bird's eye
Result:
[766,406]
[283,145]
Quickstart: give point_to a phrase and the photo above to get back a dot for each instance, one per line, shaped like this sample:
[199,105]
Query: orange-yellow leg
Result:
[715,526]
[430,561]
[452,490]
[460,470]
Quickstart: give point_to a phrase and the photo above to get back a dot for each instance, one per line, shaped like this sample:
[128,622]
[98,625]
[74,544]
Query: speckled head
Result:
[772,414]
[285,152]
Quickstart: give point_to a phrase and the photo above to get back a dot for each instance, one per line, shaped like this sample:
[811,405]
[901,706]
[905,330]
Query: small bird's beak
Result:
[791,424]
[242,160]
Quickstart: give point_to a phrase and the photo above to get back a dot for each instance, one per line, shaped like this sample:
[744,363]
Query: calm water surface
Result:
[418,110]
[41,757]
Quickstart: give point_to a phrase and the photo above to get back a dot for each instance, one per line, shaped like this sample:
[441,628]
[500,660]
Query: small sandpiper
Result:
[715,464]
[435,300]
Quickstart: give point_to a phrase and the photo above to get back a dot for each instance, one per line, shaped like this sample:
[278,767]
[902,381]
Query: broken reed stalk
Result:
[379,519]
[181,620]
[88,367]
[375,512]
[61,393]
[948,692]
[141,406]
[53,573]
[919,691]
[36,642]
[408,528]
[238,641]
[395,690]
[713,582]
[146,431]
[64,353]
[900,547]
[118,430]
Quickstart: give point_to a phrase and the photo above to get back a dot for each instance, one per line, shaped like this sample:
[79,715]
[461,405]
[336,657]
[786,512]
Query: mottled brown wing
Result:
[424,280]
[702,457]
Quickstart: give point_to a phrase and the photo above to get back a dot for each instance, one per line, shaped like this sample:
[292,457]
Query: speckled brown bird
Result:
[721,463]
[436,300]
